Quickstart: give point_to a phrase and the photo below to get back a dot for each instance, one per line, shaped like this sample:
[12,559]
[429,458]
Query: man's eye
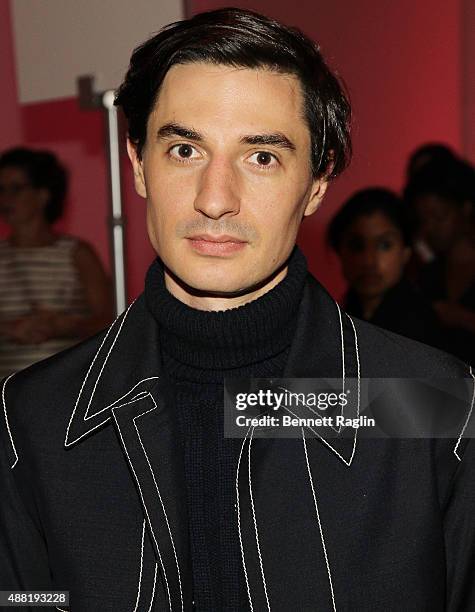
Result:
[264,159]
[183,152]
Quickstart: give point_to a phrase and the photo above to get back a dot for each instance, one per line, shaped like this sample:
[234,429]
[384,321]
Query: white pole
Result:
[116,220]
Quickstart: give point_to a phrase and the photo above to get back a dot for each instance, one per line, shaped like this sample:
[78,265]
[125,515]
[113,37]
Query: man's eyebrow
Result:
[175,129]
[277,140]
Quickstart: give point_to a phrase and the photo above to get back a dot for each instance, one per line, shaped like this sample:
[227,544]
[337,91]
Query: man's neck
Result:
[213,302]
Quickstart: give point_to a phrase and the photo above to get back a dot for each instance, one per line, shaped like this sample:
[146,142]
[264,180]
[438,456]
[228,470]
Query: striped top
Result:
[42,276]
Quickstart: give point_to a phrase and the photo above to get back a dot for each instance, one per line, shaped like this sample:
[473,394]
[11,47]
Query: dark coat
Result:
[93,494]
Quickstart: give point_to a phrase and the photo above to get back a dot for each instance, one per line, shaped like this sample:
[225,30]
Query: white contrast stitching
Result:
[318,520]
[126,394]
[66,443]
[321,438]
[306,406]
[342,359]
[255,521]
[6,420]
[468,417]
[159,495]
[359,384]
[113,404]
[104,365]
[345,461]
[153,590]
[143,501]
[141,568]
[85,379]
[238,509]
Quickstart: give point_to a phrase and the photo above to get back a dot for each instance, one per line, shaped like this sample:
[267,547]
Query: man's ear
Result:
[139,179]
[319,188]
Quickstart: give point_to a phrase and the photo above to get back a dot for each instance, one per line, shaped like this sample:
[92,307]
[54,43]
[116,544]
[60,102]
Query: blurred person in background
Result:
[371,235]
[428,153]
[54,290]
[442,197]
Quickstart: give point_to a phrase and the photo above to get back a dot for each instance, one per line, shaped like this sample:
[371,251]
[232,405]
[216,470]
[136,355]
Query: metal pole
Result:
[116,220]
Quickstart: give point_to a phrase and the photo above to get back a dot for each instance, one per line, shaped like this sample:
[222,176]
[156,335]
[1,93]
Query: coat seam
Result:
[144,504]
[159,495]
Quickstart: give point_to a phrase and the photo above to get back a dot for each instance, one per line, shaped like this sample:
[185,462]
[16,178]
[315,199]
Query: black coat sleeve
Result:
[23,553]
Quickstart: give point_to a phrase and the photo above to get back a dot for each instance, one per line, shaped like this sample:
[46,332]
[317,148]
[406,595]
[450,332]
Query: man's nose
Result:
[218,190]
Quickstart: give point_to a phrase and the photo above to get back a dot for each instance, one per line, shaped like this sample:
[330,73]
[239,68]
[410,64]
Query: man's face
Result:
[373,255]
[227,177]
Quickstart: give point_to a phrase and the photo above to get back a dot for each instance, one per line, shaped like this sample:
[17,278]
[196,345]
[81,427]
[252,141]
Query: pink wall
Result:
[10,121]
[401,62]
[402,65]
[468,62]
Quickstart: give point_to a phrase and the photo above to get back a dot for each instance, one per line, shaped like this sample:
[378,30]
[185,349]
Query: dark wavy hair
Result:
[44,171]
[244,39]
[452,180]
[365,202]
[428,153]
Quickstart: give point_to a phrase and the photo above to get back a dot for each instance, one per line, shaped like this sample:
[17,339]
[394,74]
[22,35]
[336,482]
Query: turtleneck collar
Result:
[234,339]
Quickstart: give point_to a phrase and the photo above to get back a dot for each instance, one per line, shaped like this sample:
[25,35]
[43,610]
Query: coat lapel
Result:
[123,385]
[326,346]
[149,441]
[125,366]
[278,514]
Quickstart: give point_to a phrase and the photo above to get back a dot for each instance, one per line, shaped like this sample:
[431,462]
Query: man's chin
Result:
[234,280]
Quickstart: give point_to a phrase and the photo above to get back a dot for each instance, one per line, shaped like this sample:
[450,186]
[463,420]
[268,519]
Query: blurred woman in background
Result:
[53,288]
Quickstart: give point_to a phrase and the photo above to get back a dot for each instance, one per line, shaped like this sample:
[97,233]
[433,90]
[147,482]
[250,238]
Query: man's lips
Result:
[220,238]
[216,245]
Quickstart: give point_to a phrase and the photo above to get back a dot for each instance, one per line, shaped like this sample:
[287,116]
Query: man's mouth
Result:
[219,245]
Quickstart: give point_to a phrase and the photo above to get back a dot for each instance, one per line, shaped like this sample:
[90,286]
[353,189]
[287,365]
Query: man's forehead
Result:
[241,98]
[257,78]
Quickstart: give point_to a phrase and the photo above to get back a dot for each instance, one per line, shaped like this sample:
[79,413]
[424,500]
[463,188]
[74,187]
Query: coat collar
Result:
[325,346]
[126,366]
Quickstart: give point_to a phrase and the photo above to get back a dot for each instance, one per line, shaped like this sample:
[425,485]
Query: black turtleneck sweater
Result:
[199,349]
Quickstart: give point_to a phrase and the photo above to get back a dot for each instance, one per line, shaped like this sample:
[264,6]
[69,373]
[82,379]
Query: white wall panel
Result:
[58,40]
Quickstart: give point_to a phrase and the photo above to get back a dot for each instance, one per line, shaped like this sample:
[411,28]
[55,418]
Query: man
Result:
[119,484]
